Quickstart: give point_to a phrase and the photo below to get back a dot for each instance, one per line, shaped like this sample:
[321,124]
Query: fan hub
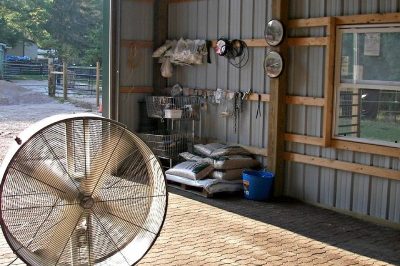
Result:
[87,202]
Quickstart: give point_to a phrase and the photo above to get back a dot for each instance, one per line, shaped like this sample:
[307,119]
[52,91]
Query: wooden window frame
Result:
[358,28]
[329,141]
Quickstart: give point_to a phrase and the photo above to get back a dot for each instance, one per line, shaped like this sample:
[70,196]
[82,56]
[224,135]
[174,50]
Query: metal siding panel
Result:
[334,7]
[328,180]
[314,121]
[201,81]
[344,183]
[210,130]
[141,74]
[246,117]
[300,72]
[360,193]
[315,73]
[317,8]
[259,127]
[257,133]
[233,72]
[298,117]
[298,9]
[212,34]
[311,183]
[394,196]
[379,189]
[295,180]
[351,7]
[172,21]
[129,110]
[136,13]
[389,6]
[191,71]
[361,185]
[369,6]
[222,65]
[312,175]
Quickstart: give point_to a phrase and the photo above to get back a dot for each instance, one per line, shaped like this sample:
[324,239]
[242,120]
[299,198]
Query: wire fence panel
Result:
[81,81]
[18,70]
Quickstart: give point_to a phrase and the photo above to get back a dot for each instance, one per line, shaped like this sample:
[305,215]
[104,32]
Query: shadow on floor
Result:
[342,231]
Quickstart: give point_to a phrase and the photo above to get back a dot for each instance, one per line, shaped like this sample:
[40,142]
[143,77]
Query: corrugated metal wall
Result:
[212,19]
[362,194]
[136,63]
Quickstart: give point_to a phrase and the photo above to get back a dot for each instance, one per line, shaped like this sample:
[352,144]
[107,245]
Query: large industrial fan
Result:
[81,190]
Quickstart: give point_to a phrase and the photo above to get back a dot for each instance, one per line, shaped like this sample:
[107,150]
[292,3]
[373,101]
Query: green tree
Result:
[71,27]
[27,18]
[75,26]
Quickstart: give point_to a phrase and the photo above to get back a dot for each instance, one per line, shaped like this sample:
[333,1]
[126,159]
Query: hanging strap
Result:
[259,106]
[209,45]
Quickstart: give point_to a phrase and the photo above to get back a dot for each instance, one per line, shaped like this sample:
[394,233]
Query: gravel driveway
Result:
[20,107]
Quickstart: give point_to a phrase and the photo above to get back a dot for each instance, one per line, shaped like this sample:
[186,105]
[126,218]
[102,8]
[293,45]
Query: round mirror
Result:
[273,64]
[274,32]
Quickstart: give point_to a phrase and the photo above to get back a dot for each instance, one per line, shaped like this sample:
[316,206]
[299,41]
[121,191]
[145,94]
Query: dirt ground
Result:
[20,107]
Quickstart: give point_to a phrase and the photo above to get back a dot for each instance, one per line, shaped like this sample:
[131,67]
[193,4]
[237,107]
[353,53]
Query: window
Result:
[367,87]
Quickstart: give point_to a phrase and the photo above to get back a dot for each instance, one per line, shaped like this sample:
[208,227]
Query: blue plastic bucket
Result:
[257,185]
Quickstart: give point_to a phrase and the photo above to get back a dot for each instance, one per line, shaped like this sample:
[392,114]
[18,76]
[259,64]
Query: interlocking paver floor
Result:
[234,231]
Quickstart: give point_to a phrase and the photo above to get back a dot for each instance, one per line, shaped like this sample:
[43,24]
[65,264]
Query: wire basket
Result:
[182,107]
[166,144]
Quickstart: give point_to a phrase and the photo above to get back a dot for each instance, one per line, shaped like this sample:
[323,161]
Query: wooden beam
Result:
[249,43]
[277,106]
[310,101]
[252,149]
[255,150]
[308,22]
[304,139]
[308,41]
[346,145]
[137,43]
[254,97]
[142,89]
[329,82]
[178,1]
[368,19]
[144,1]
[366,148]
[344,166]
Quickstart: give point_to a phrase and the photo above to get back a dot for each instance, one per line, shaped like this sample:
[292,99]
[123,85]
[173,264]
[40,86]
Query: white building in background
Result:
[24,48]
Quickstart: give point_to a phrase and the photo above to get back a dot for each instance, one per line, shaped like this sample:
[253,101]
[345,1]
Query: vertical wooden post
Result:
[329,81]
[277,105]
[97,84]
[65,80]
[51,78]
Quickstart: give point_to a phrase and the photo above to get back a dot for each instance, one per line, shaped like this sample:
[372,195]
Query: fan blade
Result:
[53,242]
[100,167]
[133,211]
[53,178]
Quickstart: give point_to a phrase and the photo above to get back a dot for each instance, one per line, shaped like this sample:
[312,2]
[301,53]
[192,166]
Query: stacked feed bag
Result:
[191,170]
[228,161]
[231,167]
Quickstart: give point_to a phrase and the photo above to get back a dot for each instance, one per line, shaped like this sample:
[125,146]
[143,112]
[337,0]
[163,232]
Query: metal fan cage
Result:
[166,144]
[81,190]
[181,107]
